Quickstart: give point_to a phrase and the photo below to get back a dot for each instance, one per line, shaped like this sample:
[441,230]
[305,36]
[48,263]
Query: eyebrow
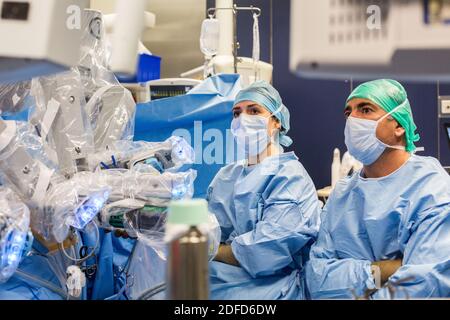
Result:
[360,105]
[255,105]
[363,104]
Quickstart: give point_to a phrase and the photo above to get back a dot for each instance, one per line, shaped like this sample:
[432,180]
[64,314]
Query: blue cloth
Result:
[148,270]
[268,97]
[209,105]
[111,259]
[269,214]
[38,267]
[101,286]
[122,249]
[20,116]
[403,215]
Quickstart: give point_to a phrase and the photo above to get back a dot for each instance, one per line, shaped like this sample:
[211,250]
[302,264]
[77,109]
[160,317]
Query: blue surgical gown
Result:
[405,215]
[269,214]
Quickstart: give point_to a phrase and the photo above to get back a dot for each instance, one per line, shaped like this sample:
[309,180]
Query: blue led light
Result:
[11,253]
[13,257]
[89,209]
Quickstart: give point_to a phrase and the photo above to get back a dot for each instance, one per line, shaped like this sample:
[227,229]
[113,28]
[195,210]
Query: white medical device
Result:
[171,87]
[38,37]
[408,40]
[115,108]
[160,89]
[61,119]
[29,176]
[129,25]
[219,43]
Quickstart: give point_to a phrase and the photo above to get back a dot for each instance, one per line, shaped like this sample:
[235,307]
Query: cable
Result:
[104,165]
[91,254]
[53,265]
[41,282]
[114,161]
[152,292]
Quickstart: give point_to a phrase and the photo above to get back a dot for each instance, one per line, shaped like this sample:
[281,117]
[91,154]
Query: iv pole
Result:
[235,9]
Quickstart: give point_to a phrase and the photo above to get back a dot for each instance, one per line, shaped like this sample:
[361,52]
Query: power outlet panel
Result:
[444,106]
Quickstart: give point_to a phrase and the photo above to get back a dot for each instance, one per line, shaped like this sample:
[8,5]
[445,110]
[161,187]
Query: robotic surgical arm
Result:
[15,238]
[85,109]
[139,199]
[56,204]
[169,155]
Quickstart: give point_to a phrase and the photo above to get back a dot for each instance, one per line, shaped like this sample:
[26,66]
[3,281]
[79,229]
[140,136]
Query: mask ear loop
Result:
[418,149]
[274,115]
[402,105]
[275,138]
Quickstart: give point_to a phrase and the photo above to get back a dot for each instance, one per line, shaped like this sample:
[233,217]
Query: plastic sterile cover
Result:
[113,215]
[111,111]
[94,53]
[154,189]
[14,226]
[72,203]
[24,164]
[138,219]
[110,106]
[14,97]
[211,228]
[170,155]
[60,119]
[148,264]
[148,272]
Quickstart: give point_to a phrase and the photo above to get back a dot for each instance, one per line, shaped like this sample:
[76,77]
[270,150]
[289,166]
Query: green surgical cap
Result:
[262,93]
[389,94]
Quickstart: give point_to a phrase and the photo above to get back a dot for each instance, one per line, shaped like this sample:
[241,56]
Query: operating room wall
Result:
[317,122]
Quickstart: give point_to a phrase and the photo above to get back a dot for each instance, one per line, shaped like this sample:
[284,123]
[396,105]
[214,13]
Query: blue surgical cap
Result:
[262,93]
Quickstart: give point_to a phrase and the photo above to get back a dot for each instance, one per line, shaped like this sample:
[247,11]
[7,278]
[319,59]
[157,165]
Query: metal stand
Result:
[236,9]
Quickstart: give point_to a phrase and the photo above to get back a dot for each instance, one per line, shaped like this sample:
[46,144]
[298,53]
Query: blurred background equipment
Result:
[339,39]
[175,33]
[39,42]
[443,131]
[219,43]
[160,89]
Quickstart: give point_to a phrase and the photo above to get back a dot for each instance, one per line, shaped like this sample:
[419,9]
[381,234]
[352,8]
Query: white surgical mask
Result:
[361,139]
[251,133]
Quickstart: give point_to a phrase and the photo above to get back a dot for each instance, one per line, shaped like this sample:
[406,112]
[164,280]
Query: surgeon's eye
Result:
[236,113]
[366,110]
[347,113]
[253,111]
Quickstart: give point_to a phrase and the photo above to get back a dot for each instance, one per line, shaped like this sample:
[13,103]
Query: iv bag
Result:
[209,38]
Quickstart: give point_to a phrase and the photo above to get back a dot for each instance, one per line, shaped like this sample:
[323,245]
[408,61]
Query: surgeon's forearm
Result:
[387,268]
[225,255]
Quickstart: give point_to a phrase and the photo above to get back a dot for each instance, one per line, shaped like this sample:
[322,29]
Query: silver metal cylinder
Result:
[188,276]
